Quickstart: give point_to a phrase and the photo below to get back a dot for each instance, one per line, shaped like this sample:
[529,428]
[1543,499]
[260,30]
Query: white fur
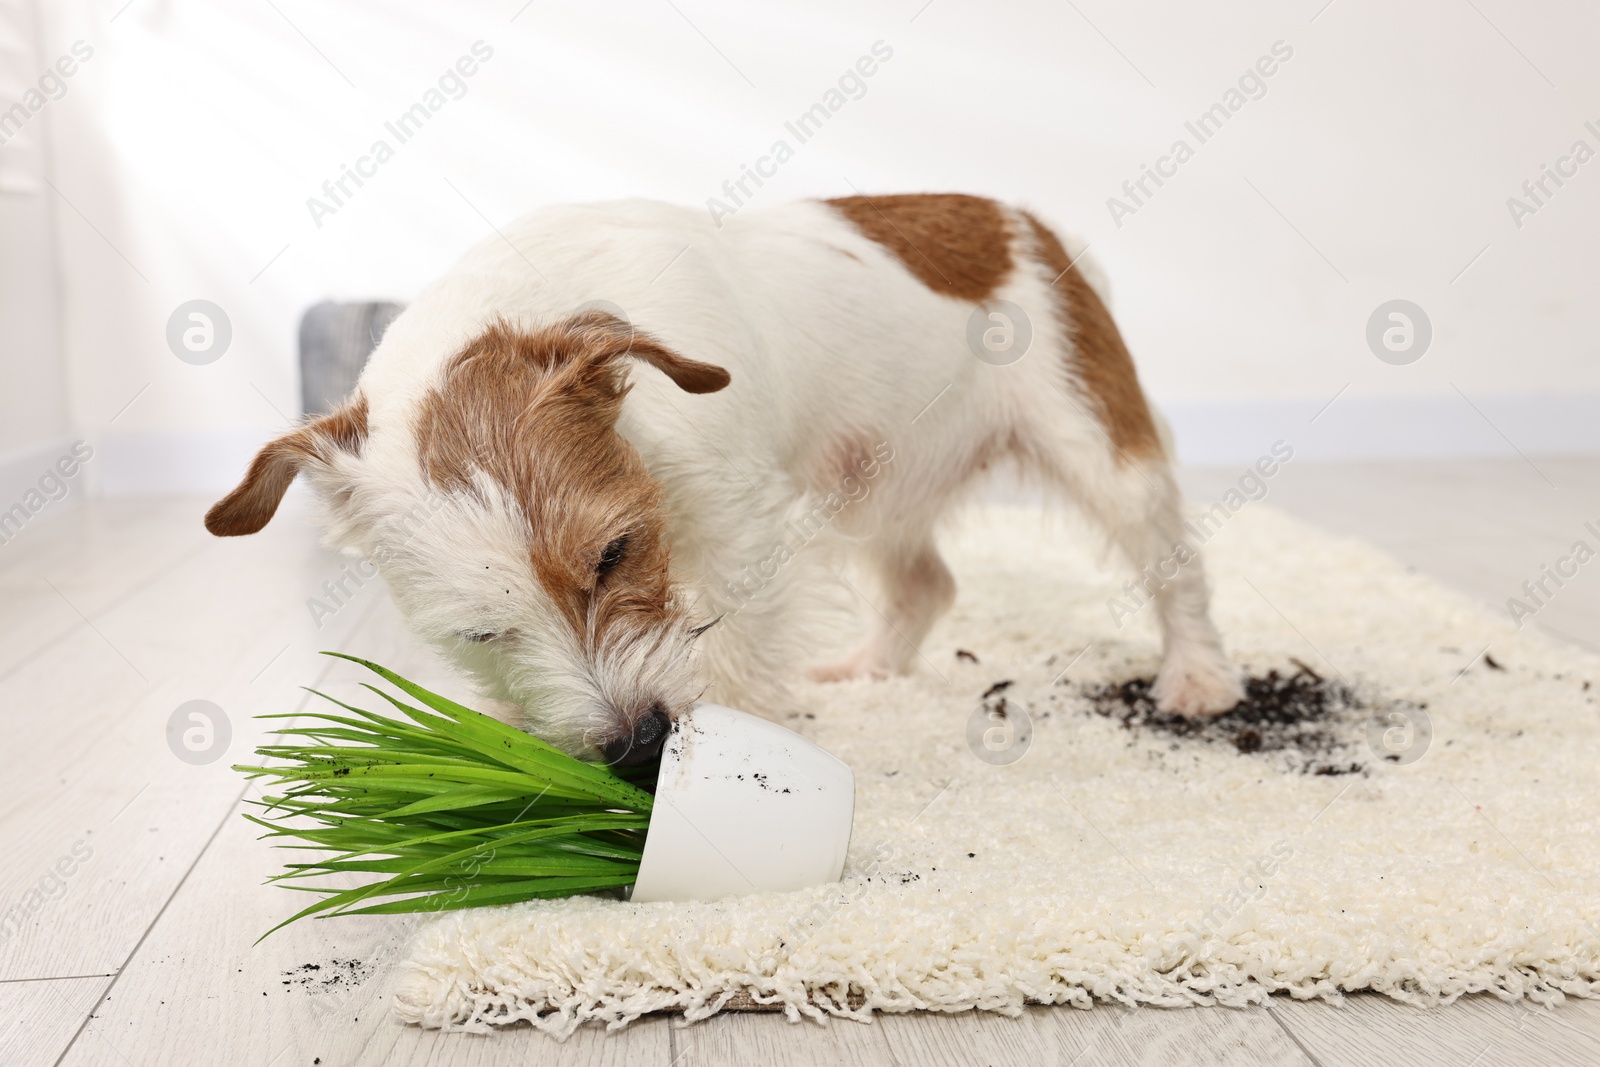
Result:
[828,338]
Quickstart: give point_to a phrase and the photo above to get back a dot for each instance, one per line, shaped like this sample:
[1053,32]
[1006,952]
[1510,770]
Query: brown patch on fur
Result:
[840,458]
[1102,360]
[956,245]
[536,412]
[254,501]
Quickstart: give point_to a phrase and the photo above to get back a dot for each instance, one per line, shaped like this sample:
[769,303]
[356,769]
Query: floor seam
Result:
[226,815]
[1301,1045]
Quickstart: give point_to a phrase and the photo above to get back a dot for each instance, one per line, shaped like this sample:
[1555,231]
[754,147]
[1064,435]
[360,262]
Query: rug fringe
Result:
[483,1011]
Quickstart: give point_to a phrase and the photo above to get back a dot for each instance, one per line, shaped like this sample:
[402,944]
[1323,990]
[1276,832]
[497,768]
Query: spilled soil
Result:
[329,975]
[1317,724]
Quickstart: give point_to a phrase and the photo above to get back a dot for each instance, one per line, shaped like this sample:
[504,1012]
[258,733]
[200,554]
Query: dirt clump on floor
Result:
[1315,724]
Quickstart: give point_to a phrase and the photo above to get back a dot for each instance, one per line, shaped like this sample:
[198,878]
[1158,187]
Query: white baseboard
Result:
[1419,427]
[20,484]
[20,470]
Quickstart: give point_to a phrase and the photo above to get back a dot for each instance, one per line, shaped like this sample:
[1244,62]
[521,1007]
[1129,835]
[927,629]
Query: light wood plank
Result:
[36,618]
[196,627]
[97,529]
[88,560]
[232,628]
[38,1018]
[737,1039]
[938,1039]
[644,1043]
[1371,1028]
[1206,1035]
[1104,1035]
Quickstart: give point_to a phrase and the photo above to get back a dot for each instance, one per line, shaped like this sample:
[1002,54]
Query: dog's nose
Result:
[644,744]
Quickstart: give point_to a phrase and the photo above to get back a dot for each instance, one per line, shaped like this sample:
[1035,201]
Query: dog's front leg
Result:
[917,589]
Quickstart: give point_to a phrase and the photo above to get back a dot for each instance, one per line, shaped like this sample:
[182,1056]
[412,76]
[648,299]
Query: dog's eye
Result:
[478,637]
[612,556]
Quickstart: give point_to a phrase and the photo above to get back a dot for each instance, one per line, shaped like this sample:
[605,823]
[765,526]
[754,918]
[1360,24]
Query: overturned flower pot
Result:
[743,805]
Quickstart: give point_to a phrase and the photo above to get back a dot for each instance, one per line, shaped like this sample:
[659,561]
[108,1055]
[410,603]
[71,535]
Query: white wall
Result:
[34,421]
[1377,165]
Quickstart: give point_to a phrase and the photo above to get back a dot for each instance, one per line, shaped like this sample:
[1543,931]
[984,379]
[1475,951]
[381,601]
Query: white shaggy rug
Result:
[1119,861]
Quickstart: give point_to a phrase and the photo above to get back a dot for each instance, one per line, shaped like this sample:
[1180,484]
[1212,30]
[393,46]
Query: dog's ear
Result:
[603,338]
[322,440]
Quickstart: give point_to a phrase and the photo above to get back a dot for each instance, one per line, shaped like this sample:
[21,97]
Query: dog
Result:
[600,462]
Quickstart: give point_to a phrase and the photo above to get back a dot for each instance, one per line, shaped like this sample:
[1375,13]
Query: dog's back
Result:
[937,321]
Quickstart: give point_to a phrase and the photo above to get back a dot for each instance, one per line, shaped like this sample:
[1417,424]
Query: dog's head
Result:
[516,529]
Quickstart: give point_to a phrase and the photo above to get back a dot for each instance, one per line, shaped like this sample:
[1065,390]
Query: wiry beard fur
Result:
[572,700]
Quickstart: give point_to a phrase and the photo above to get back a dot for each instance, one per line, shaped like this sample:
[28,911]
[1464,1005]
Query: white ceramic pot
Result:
[743,806]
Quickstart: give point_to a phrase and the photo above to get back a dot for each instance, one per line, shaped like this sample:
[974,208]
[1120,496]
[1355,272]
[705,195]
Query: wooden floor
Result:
[129,908]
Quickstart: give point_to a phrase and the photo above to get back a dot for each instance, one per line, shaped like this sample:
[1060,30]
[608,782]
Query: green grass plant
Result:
[444,808]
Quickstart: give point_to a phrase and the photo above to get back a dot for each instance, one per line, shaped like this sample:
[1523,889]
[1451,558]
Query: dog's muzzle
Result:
[643,744]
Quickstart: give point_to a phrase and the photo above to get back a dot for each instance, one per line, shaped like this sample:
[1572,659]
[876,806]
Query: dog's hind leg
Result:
[1137,503]
[1091,431]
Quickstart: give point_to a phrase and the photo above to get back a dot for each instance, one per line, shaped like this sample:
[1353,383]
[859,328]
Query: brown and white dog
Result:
[817,378]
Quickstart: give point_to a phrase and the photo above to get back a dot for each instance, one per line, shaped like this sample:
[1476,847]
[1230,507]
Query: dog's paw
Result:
[849,668]
[1197,691]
